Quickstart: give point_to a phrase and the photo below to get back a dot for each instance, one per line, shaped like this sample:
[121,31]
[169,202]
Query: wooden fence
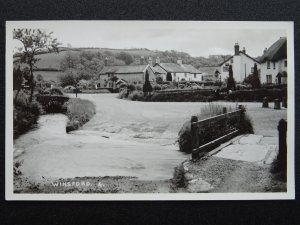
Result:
[209,133]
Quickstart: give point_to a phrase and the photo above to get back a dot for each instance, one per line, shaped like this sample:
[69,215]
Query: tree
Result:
[34,41]
[230,80]
[69,61]
[126,57]
[70,77]
[18,78]
[253,78]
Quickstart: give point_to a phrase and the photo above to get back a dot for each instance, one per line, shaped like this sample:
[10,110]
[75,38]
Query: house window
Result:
[231,61]
[252,69]
[268,65]
[184,74]
[195,75]
[285,63]
[269,79]
[274,65]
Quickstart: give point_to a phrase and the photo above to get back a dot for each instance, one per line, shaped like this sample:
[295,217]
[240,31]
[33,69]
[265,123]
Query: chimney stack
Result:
[157,60]
[236,49]
[179,61]
[265,50]
[244,50]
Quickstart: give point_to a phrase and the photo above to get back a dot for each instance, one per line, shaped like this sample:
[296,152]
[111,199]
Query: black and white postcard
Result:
[149,110]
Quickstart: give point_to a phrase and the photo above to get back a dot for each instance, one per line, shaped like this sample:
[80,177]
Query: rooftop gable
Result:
[276,52]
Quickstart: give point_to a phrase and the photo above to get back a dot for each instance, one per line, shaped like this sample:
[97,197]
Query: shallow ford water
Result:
[124,138]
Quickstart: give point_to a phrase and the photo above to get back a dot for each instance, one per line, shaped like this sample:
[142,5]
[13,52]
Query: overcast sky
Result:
[195,38]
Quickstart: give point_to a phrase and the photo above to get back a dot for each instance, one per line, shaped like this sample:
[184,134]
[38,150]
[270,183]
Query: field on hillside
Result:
[48,75]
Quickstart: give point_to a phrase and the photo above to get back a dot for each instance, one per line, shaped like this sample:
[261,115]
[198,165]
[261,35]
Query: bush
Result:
[211,132]
[135,95]
[79,111]
[26,113]
[157,87]
[131,88]
[256,95]
[122,93]
[147,87]
[139,87]
[178,176]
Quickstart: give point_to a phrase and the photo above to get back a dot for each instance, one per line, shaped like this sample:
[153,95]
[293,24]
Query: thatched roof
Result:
[176,68]
[276,52]
[124,69]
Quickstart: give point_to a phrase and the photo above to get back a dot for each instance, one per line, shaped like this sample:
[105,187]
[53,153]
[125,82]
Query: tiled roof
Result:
[175,68]
[209,70]
[190,68]
[276,52]
[124,69]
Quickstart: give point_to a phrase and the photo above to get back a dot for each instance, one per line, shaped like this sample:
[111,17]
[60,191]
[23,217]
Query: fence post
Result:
[277,104]
[194,136]
[282,154]
[284,102]
[265,103]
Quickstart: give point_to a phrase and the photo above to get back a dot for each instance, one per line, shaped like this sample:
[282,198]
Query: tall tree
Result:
[34,42]
[256,81]
[230,80]
[18,78]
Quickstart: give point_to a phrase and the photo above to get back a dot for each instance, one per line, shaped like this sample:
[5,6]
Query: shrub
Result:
[147,87]
[131,88]
[256,95]
[210,132]
[178,176]
[157,87]
[122,93]
[17,166]
[26,113]
[139,87]
[135,95]
[79,111]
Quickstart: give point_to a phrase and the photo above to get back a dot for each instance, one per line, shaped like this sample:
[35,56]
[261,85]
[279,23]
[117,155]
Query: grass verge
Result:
[79,111]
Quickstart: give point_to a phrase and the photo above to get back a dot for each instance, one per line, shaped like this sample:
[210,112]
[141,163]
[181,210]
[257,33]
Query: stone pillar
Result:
[265,102]
[284,102]
[277,104]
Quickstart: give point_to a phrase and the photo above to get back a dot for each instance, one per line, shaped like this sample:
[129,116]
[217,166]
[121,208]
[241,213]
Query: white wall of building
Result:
[242,66]
[272,71]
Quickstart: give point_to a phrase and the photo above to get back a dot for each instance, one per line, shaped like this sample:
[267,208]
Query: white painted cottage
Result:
[242,65]
[274,63]
[177,71]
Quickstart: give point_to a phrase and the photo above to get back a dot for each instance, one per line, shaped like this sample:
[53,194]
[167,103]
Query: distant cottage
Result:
[242,65]
[177,72]
[128,74]
[274,63]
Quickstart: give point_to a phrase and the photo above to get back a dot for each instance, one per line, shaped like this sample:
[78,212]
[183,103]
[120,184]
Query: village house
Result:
[210,73]
[274,63]
[242,65]
[177,71]
[109,75]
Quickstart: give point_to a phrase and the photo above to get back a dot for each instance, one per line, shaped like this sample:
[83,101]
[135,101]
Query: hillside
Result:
[49,64]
